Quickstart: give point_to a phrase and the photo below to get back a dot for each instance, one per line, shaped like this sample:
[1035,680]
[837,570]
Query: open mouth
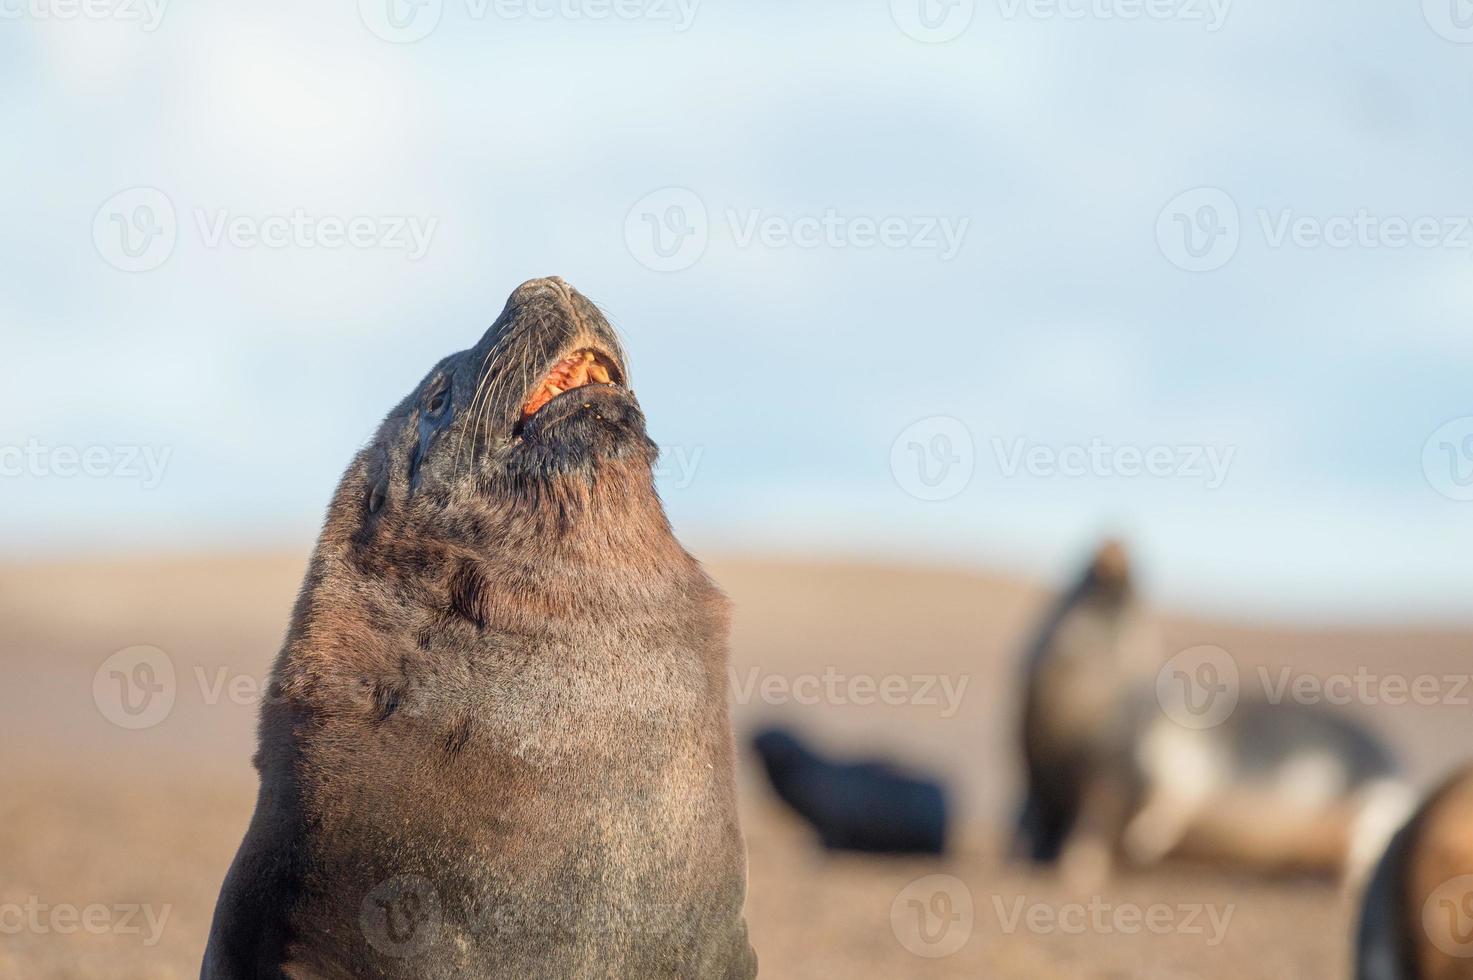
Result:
[580,368]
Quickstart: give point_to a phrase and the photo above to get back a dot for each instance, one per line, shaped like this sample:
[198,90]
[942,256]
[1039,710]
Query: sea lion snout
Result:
[552,309]
[549,327]
[571,381]
[542,284]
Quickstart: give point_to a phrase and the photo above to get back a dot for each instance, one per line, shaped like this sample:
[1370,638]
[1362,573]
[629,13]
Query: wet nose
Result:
[533,288]
[549,312]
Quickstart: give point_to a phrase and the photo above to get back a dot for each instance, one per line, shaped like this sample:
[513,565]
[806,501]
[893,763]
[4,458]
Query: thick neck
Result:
[610,517]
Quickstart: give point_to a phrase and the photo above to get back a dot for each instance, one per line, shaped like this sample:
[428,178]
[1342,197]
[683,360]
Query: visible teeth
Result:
[574,371]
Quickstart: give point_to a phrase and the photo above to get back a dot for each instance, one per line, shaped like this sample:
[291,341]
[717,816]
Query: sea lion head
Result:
[543,394]
[780,751]
[1109,569]
[510,493]
[538,413]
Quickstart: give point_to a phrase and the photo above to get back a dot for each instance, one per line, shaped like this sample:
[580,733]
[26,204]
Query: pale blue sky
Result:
[783,373]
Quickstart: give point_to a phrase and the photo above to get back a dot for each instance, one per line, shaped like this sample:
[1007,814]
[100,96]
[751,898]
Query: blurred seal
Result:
[1110,774]
[858,806]
[1416,920]
[1280,788]
[496,741]
[1083,702]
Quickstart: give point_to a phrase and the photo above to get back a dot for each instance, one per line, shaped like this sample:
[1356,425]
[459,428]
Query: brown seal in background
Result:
[496,741]
[1112,774]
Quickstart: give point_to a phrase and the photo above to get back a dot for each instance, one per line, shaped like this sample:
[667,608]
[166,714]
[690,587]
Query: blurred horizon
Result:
[886,319]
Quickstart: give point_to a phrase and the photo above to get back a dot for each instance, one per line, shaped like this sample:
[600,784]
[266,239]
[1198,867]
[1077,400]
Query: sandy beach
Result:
[114,839]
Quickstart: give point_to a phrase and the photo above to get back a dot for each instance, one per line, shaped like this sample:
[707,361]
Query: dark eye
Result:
[441,399]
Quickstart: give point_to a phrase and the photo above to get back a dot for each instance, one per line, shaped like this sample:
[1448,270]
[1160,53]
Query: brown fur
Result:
[1439,848]
[506,680]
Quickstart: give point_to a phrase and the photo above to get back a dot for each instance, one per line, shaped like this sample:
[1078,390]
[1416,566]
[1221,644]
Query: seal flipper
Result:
[1381,951]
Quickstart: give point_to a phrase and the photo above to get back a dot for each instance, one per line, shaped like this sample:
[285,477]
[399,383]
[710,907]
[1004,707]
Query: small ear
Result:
[378,482]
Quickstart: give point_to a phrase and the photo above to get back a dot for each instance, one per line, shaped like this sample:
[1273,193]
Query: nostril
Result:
[545,284]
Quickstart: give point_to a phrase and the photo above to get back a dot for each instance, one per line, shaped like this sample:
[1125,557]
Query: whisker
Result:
[481,383]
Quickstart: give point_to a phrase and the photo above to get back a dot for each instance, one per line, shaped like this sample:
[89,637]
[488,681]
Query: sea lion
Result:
[1112,776]
[1277,788]
[1416,919]
[496,741]
[1084,675]
[855,806]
